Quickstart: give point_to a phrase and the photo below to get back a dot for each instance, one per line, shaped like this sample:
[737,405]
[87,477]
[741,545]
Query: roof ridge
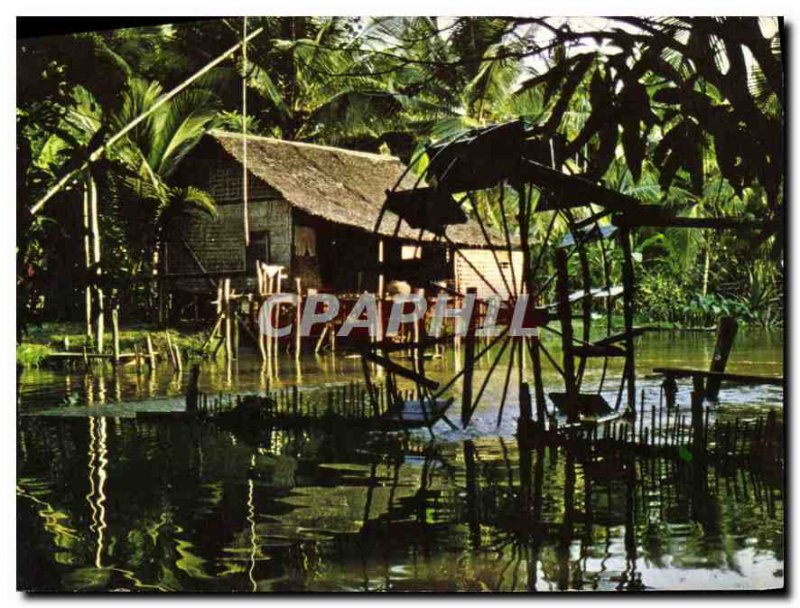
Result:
[300,144]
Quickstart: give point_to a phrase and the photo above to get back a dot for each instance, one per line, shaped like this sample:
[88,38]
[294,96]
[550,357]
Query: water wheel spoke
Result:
[480,354]
[485,382]
[506,382]
[491,246]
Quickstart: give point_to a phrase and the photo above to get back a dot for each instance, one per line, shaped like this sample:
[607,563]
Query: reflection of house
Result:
[311,209]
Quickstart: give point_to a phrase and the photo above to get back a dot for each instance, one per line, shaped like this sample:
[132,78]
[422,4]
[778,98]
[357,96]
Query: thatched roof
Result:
[341,186]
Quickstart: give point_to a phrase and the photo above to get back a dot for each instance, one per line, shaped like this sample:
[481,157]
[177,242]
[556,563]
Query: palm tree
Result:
[150,154]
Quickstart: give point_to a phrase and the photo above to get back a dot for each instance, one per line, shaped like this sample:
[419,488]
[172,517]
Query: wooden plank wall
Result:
[219,242]
[484,262]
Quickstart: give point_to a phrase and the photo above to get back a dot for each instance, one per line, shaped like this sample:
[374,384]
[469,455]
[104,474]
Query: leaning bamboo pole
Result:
[101,149]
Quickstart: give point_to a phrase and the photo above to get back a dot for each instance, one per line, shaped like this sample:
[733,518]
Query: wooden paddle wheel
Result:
[503,178]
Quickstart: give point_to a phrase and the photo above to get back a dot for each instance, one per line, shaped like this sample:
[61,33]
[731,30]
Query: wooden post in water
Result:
[473,515]
[87,250]
[170,352]
[628,281]
[565,316]
[278,281]
[151,355]
[95,223]
[298,311]
[178,362]
[524,402]
[698,432]
[226,299]
[115,332]
[469,363]
[192,390]
[726,332]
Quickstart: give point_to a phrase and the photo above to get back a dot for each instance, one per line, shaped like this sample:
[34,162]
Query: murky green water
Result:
[119,502]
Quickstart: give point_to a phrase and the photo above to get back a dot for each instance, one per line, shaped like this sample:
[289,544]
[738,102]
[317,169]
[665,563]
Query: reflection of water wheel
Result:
[493,182]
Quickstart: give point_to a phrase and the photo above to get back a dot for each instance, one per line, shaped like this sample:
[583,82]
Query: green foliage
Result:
[31,355]
[685,113]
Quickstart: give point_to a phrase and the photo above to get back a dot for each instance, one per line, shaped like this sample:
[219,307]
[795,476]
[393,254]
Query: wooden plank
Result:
[685,372]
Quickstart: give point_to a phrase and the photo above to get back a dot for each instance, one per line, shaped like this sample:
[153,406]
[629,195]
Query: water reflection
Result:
[189,507]
[120,502]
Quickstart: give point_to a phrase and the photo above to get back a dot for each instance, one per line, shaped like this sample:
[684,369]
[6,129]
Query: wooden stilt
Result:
[87,247]
[726,332]
[628,282]
[193,391]
[469,365]
[298,309]
[524,402]
[151,355]
[226,304]
[378,334]
[170,351]
[178,362]
[115,333]
[95,229]
[565,316]
[277,309]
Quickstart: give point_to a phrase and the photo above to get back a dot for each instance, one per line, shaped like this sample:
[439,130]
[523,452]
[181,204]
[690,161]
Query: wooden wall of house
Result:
[218,243]
[484,262]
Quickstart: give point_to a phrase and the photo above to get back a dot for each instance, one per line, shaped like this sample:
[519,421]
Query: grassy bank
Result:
[42,341]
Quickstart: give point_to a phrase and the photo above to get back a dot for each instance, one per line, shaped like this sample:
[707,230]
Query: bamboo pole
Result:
[378,334]
[151,355]
[100,150]
[178,362]
[115,333]
[267,339]
[170,350]
[226,297]
[278,280]
[628,284]
[245,176]
[95,230]
[87,250]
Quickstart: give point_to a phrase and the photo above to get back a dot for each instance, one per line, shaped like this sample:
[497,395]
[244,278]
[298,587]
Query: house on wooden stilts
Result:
[311,209]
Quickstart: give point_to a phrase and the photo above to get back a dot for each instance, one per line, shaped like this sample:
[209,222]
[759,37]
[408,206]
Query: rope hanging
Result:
[245,192]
